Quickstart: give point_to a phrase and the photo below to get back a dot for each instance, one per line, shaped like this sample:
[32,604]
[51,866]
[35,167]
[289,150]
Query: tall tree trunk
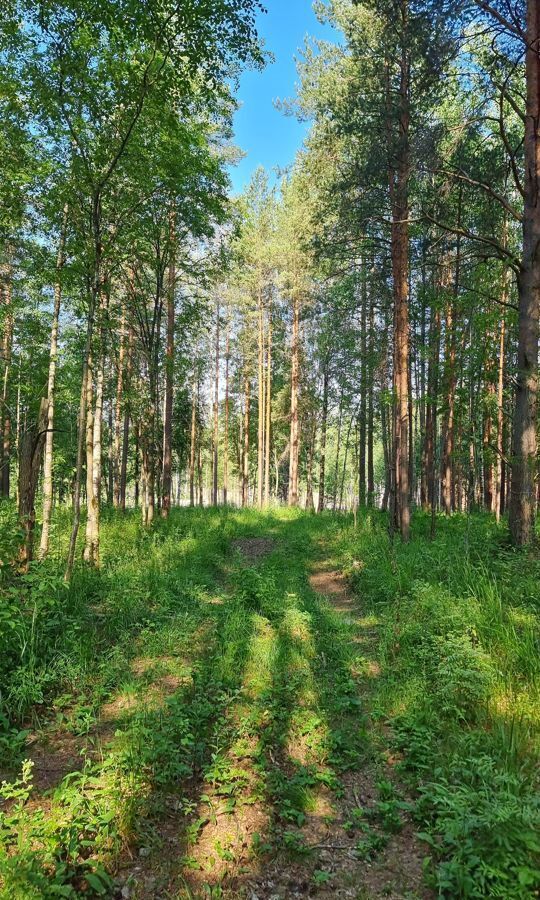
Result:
[227,412]
[447,450]
[261,417]
[192,450]
[117,426]
[500,424]
[268,427]
[245,453]
[89,445]
[95,293]
[338,451]
[6,353]
[53,354]
[430,430]
[125,434]
[399,197]
[524,450]
[363,393]
[169,373]
[311,456]
[324,425]
[295,425]
[215,440]
[30,456]
[370,410]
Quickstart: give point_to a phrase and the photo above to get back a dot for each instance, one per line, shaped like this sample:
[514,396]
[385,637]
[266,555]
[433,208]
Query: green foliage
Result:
[189,679]
[458,628]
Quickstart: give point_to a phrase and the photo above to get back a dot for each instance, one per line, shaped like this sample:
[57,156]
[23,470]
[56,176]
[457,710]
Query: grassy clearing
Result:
[201,723]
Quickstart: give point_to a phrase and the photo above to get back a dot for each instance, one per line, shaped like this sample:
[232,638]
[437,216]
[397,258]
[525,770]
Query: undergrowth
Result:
[460,674]
[186,678]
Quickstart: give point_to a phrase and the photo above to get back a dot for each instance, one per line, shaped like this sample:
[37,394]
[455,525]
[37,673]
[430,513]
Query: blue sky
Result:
[267,136]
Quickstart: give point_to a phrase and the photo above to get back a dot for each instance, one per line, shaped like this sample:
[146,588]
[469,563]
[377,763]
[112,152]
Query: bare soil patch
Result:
[254,549]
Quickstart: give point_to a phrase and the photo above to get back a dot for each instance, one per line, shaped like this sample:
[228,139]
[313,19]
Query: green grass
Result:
[185,676]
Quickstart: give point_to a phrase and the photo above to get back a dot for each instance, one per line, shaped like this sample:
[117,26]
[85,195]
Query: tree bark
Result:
[166,485]
[6,353]
[295,426]
[363,394]
[268,427]
[227,413]
[324,425]
[245,452]
[215,440]
[399,198]
[524,449]
[31,452]
[261,416]
[53,354]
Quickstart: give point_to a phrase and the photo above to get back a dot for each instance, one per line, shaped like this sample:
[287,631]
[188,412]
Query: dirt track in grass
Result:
[293,791]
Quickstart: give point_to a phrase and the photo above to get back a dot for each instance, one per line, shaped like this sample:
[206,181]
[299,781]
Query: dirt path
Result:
[355,852]
[293,792]
[356,841]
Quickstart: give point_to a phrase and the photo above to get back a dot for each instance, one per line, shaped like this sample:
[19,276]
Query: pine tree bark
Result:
[500,424]
[324,425]
[524,449]
[261,415]
[6,354]
[51,383]
[192,450]
[268,403]
[371,409]
[169,374]
[295,425]
[226,412]
[245,452]
[363,395]
[399,199]
[126,424]
[427,487]
[118,415]
[215,440]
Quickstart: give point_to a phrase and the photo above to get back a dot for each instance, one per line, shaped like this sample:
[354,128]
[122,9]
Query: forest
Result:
[269,459]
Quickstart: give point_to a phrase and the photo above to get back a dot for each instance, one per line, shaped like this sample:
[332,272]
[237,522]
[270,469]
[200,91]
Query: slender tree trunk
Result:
[268,428]
[53,354]
[500,425]
[110,451]
[89,444]
[324,424]
[227,413]
[346,457]
[31,452]
[371,410]
[86,377]
[215,441]
[428,492]
[245,453]
[192,450]
[399,196]
[447,452]
[169,374]
[295,425]
[117,440]
[127,418]
[6,353]
[524,450]
[363,394]
[311,456]
[338,451]
[261,417]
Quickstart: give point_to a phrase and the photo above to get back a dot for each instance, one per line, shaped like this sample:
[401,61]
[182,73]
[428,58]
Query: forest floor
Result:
[273,705]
